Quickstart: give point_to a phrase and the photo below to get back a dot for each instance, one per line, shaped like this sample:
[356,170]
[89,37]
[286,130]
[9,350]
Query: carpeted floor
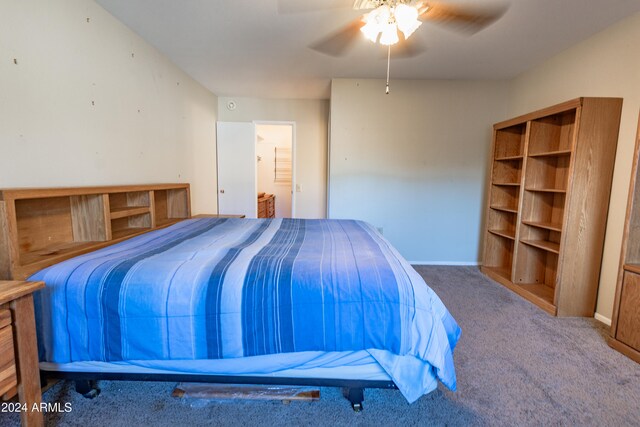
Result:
[515,364]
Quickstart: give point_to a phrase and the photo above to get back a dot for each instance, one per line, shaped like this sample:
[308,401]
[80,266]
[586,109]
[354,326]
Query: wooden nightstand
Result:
[217,216]
[19,372]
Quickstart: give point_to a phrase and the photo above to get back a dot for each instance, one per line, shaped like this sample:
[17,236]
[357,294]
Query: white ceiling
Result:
[245,48]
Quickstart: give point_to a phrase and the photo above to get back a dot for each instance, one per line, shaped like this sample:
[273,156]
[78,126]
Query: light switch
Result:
[298,188]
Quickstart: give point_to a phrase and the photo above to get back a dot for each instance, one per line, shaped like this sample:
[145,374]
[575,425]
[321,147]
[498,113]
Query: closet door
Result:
[237,193]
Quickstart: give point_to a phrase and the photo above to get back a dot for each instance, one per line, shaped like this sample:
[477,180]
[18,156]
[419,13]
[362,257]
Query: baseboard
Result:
[599,317]
[443,263]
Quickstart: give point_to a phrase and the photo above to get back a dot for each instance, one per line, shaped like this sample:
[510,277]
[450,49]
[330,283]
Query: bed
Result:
[263,301]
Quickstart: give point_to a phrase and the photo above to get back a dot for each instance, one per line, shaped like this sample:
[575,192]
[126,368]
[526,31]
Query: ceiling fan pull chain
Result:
[388,65]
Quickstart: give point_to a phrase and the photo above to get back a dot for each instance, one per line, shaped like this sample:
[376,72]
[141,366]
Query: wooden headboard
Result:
[42,226]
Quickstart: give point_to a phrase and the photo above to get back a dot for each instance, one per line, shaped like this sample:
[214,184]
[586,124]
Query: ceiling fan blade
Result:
[339,42]
[464,18]
[301,6]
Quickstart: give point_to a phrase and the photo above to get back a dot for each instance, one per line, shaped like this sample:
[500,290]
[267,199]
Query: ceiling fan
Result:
[392,22]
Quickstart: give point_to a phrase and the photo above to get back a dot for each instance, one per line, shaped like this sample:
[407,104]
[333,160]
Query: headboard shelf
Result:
[128,212]
[40,227]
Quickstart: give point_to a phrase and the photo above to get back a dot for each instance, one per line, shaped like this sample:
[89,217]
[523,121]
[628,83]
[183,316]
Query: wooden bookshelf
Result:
[40,227]
[625,323]
[548,201]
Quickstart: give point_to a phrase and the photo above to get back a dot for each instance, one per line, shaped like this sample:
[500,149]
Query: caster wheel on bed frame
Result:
[88,389]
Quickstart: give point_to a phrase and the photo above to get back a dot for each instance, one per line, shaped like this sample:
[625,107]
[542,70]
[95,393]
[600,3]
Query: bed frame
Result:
[85,382]
[40,227]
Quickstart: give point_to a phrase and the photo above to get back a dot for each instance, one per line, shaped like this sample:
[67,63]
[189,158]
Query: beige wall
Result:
[607,64]
[92,103]
[311,118]
[414,162]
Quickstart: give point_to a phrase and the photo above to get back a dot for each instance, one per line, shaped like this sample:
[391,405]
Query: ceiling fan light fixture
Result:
[389,34]
[375,22]
[371,31]
[407,19]
[385,21]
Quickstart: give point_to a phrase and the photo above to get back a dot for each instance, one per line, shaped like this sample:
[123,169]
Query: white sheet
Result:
[357,365]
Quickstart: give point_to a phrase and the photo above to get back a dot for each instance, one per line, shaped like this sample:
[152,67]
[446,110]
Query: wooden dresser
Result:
[266,205]
[19,372]
[625,324]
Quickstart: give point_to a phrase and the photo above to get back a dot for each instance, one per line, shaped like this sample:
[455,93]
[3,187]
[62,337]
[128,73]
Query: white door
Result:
[237,192]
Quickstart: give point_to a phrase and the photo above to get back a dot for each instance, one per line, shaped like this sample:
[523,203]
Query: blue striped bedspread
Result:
[214,288]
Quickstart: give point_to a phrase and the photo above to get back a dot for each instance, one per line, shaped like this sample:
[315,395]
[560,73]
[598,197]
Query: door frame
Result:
[293,157]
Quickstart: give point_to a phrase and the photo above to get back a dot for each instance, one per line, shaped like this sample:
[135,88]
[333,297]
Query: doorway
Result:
[274,169]
[255,158]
